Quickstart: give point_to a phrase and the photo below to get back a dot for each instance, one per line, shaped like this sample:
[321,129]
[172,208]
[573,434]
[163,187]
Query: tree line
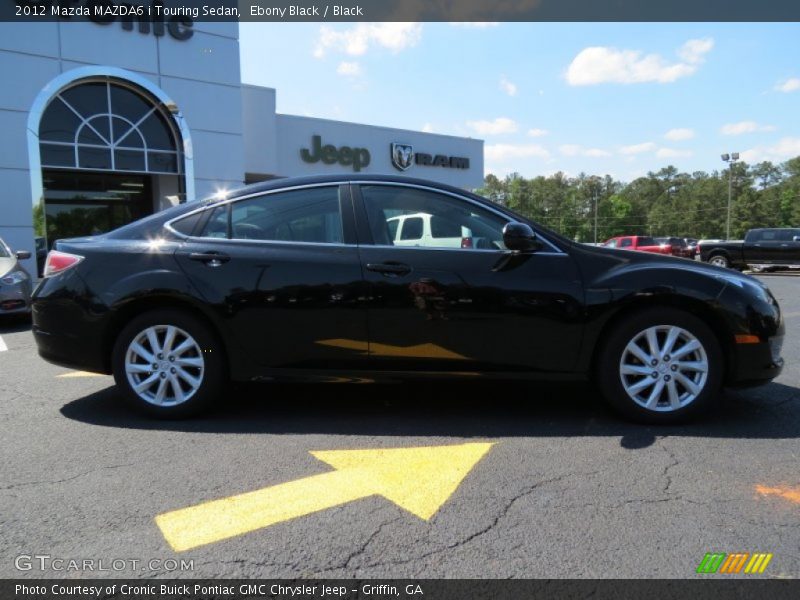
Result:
[663,203]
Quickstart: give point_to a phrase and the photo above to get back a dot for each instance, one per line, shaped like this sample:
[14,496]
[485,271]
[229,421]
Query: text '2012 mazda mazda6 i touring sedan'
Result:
[360,276]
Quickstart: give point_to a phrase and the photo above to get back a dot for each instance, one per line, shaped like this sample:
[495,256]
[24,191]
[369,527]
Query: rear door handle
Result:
[212,259]
[389,268]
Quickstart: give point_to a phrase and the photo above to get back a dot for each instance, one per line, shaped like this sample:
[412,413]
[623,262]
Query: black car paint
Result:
[291,309]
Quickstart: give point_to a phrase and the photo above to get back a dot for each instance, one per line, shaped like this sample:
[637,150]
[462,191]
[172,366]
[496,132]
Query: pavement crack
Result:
[64,480]
[674,462]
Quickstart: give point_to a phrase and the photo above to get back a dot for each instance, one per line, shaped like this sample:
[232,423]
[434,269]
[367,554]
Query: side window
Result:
[442,228]
[625,243]
[308,215]
[454,223]
[611,244]
[768,235]
[412,229]
[217,224]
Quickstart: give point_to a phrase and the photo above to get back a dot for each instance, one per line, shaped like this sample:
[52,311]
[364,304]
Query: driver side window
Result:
[411,217]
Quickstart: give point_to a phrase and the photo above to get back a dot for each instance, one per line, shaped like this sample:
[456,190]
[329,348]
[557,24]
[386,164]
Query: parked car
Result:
[301,278]
[677,246]
[643,243]
[761,248]
[691,244]
[432,231]
[15,283]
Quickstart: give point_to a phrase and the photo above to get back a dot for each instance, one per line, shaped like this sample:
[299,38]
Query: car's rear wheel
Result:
[168,364]
[661,366]
[720,260]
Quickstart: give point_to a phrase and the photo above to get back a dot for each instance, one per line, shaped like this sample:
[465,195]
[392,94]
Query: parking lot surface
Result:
[492,480]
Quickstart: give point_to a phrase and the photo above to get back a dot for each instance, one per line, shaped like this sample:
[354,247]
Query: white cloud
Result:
[578,150]
[679,134]
[349,69]
[744,127]
[496,127]
[535,132]
[673,153]
[637,148]
[501,152]
[602,64]
[474,24]
[790,85]
[357,40]
[786,148]
[507,86]
[427,128]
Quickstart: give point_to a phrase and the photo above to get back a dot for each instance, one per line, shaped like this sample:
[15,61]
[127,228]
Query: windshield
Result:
[4,251]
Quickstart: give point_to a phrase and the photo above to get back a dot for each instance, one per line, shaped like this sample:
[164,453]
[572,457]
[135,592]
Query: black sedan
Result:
[311,278]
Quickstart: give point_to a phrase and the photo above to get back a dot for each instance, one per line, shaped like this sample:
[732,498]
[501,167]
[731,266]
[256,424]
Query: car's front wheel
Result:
[168,364]
[661,366]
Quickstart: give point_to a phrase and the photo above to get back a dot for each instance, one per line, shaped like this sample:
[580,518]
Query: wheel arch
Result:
[687,304]
[128,311]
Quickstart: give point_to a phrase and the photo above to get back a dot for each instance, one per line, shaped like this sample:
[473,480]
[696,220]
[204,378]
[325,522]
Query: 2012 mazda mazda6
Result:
[374,276]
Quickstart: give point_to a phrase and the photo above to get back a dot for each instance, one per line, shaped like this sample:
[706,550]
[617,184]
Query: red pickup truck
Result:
[643,243]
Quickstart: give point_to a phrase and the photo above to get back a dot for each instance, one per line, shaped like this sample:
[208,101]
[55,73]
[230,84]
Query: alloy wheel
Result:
[164,365]
[664,368]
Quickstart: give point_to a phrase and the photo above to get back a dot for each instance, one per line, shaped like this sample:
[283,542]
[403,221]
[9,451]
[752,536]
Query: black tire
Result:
[212,375]
[610,380]
[720,260]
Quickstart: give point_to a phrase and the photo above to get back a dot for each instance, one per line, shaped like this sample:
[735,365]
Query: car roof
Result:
[285,182]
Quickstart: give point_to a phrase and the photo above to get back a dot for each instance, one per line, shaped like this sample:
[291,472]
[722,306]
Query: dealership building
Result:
[104,123]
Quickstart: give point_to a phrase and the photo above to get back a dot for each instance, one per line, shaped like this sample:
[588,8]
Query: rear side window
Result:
[412,229]
[625,243]
[310,215]
[646,241]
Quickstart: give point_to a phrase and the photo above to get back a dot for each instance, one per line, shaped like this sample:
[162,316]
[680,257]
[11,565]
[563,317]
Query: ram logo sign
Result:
[737,562]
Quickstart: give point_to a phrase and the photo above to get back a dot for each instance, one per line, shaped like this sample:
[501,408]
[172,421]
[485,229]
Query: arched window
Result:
[106,126]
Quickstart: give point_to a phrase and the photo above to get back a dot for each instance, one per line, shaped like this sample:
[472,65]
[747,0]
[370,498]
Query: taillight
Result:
[466,242]
[58,262]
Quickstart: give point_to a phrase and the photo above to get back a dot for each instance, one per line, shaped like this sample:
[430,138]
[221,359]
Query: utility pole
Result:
[730,159]
[595,216]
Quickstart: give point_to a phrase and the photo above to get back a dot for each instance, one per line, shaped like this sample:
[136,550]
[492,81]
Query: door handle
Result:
[389,268]
[212,259]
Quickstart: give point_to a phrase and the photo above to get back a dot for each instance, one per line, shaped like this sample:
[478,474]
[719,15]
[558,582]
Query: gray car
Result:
[15,283]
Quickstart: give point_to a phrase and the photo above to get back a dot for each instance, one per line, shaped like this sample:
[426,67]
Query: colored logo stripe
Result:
[721,562]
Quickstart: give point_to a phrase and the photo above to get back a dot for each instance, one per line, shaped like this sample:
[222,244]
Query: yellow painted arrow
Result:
[419,480]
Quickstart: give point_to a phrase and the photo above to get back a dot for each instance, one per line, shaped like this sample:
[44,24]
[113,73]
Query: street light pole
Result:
[595,216]
[730,159]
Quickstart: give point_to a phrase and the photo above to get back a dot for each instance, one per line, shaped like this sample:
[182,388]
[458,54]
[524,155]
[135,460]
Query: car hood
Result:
[615,261]
[7,264]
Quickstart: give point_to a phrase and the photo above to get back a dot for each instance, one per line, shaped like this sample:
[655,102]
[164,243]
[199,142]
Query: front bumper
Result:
[15,298]
[756,364]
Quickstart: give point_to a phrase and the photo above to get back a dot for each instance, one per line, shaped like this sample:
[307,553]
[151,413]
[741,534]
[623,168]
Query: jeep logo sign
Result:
[357,158]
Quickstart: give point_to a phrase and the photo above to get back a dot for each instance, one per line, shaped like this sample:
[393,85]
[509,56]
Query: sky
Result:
[617,99]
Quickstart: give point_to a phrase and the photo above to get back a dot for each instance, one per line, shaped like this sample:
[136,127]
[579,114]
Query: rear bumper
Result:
[69,325]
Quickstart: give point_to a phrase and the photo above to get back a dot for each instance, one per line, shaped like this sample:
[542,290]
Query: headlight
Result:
[14,277]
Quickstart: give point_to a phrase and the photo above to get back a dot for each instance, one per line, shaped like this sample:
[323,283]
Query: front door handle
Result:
[212,259]
[389,268]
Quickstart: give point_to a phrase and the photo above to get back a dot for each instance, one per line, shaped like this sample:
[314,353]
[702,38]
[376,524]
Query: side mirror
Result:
[519,237]
[796,238]
[22,254]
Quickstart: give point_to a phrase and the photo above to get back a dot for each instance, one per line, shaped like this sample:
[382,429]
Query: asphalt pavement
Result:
[533,480]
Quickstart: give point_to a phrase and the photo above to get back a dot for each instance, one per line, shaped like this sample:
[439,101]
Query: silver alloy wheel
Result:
[719,261]
[164,365]
[664,368]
